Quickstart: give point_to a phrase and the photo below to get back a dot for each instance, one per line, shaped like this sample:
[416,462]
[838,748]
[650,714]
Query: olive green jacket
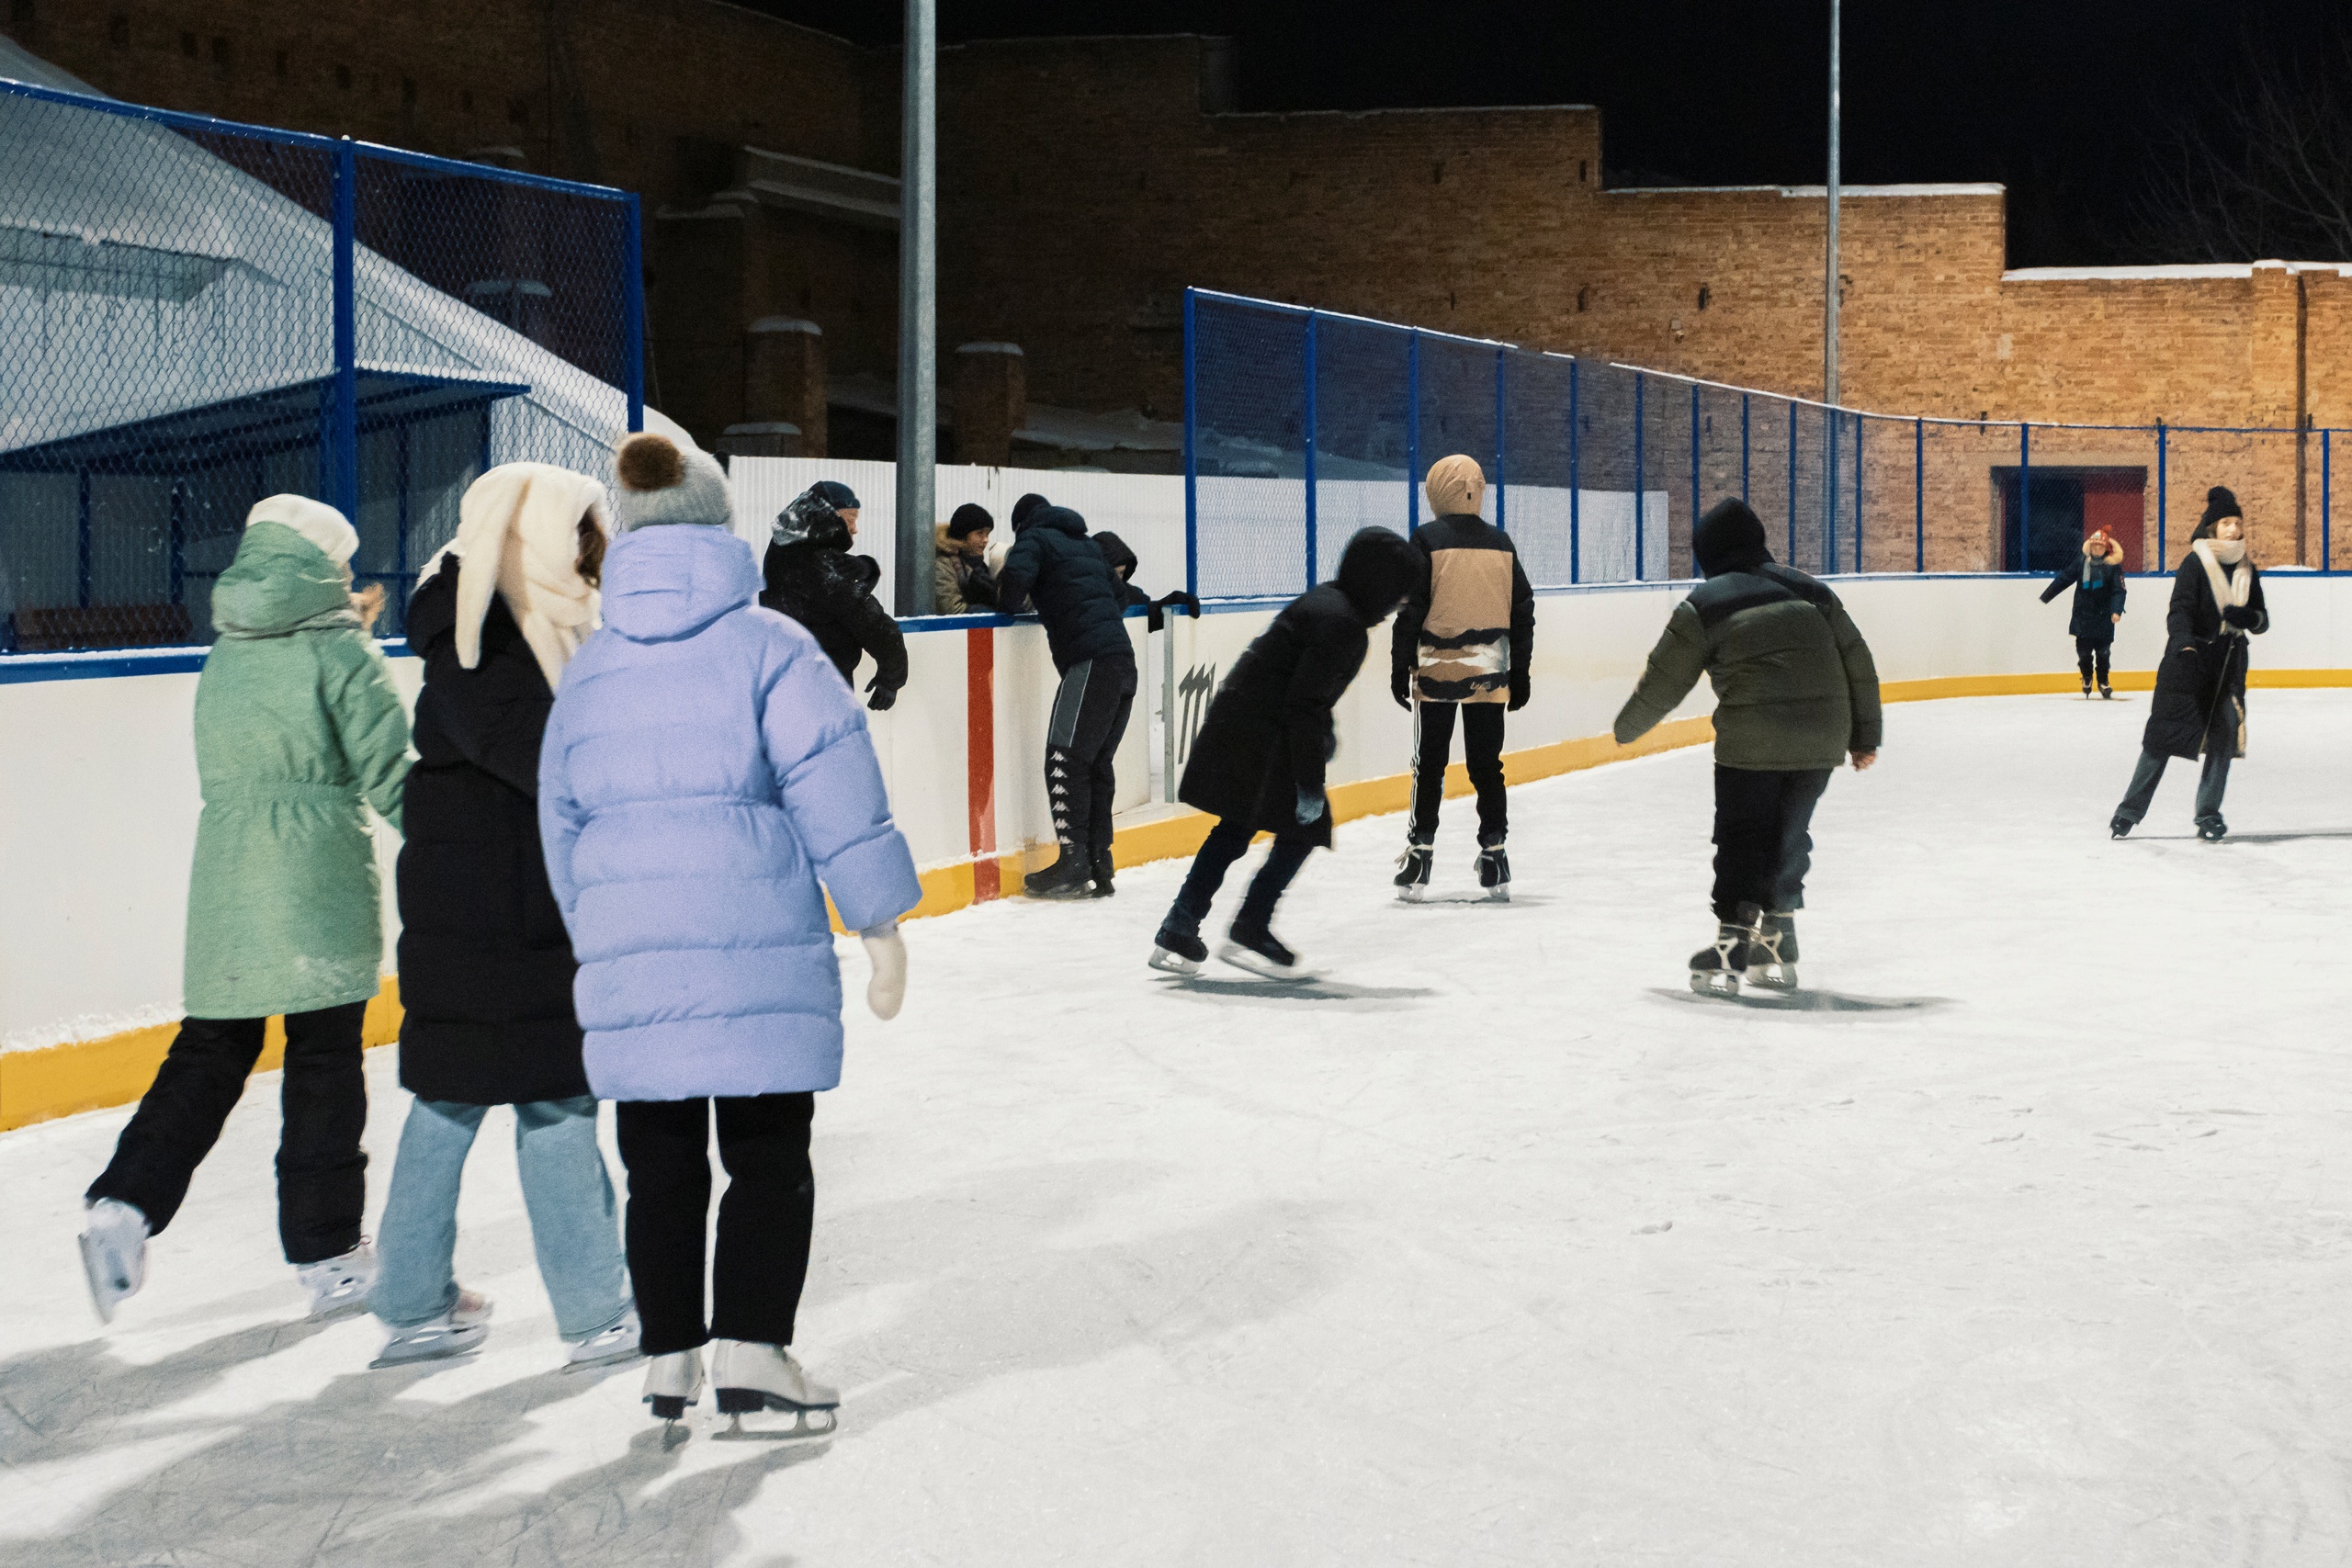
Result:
[1794,685]
[298,731]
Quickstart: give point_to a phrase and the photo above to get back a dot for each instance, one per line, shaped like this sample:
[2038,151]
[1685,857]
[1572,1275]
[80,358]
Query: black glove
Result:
[1517,697]
[1400,686]
[1330,744]
[1310,804]
[1192,607]
[883,695]
[1152,620]
[2238,616]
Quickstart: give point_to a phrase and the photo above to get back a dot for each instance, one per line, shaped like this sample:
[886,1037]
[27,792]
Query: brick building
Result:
[1085,182]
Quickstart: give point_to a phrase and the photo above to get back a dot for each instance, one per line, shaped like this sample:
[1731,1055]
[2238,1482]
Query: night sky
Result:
[2065,101]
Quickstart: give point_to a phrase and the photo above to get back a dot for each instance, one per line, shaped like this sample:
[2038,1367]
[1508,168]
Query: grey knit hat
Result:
[659,483]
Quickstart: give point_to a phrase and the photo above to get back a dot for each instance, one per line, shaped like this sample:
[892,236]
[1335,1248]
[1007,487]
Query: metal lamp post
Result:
[917,311]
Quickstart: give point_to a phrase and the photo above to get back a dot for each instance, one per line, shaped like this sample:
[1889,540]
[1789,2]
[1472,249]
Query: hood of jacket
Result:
[1117,555]
[2112,555]
[279,583]
[665,584]
[1377,570]
[1061,519]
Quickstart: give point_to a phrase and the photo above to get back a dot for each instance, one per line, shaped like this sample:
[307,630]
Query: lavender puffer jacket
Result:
[706,780]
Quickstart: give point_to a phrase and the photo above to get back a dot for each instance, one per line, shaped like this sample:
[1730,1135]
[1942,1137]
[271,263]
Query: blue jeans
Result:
[566,1190]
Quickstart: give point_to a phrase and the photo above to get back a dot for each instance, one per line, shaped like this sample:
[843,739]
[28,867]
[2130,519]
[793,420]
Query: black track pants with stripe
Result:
[1081,743]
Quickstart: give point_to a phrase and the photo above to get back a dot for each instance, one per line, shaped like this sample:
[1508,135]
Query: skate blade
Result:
[107,1292]
[1240,957]
[1781,977]
[330,1311]
[609,1358]
[1173,963]
[1416,893]
[1500,894]
[461,1341]
[1716,982]
[802,1420]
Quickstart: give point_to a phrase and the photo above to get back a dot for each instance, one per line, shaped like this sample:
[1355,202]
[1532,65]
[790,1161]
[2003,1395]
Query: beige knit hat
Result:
[1456,487]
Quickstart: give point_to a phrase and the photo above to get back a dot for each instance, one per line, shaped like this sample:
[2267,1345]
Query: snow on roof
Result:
[1812,193]
[2163,271]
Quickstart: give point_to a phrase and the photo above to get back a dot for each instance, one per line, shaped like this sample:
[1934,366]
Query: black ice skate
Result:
[756,1379]
[1494,874]
[1413,869]
[1101,863]
[1255,948]
[1178,948]
[2087,688]
[1068,877]
[2212,828]
[2122,826]
[1772,954]
[1716,971]
[2105,691]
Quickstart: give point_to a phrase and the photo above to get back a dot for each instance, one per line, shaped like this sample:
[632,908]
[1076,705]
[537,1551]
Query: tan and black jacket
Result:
[1467,636]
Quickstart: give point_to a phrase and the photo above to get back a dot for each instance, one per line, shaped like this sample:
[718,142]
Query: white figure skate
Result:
[752,1378]
[114,1253]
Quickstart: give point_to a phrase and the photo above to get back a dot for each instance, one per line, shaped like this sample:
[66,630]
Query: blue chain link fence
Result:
[1304,425]
[195,313]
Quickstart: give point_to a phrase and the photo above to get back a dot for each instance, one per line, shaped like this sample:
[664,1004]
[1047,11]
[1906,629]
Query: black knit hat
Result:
[1025,506]
[1729,538]
[2219,504]
[969,519]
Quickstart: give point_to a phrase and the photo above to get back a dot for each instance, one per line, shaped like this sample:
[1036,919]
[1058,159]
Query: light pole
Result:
[1829,282]
[917,311]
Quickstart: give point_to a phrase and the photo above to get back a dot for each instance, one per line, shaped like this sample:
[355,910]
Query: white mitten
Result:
[886,950]
[1000,546]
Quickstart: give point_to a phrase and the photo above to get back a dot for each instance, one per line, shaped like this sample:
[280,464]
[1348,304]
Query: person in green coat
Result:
[298,731]
[1796,694]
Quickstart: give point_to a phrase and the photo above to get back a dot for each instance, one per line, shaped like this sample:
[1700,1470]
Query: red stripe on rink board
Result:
[979,758]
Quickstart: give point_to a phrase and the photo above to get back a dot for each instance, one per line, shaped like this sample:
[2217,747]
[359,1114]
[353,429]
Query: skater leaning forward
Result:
[2199,706]
[1796,693]
[299,732]
[1258,765]
[2097,578]
[486,970]
[1460,648]
[706,780]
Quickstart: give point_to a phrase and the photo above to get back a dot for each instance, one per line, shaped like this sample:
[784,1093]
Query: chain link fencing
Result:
[195,314]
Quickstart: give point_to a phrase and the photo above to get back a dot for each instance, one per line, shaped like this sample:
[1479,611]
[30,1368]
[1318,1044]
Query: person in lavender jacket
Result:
[707,779]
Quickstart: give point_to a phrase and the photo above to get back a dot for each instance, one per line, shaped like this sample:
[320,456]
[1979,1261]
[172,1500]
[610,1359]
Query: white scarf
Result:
[518,533]
[2229,587]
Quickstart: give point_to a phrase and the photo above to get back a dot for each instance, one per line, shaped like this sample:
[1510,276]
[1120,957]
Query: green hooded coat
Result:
[298,731]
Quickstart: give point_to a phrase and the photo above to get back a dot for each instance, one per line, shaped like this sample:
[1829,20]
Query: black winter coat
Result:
[2098,597]
[819,584]
[485,967]
[1269,732]
[2202,668]
[1082,605]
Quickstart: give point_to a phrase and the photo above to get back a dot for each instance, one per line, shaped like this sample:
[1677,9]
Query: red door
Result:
[2117,501]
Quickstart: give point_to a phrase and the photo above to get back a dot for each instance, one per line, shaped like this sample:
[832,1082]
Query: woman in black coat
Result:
[2199,706]
[1257,762]
[2097,578]
[812,577]
[486,969]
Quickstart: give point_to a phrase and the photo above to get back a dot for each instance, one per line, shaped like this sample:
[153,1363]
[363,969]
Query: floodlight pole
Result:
[917,311]
[1829,282]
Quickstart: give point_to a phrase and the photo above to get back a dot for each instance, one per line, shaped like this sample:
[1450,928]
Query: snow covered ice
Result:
[2025,1246]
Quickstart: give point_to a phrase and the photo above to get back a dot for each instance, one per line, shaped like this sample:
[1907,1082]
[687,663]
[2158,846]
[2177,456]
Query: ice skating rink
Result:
[2025,1245]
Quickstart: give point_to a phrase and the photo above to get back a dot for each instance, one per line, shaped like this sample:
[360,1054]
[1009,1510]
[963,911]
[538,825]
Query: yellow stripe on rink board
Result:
[90,1075]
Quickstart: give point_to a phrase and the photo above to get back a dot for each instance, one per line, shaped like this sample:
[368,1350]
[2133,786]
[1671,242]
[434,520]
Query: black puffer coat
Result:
[1269,731]
[819,584]
[2098,594]
[2202,667]
[1082,605]
[486,969]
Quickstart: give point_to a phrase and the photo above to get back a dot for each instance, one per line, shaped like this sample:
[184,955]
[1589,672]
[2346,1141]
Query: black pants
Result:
[322,1171]
[1227,842]
[1482,752]
[763,1220]
[2091,657]
[1763,837]
[1082,746]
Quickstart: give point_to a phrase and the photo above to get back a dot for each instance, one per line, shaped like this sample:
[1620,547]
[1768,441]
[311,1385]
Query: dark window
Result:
[1584,296]
[187,45]
[466,100]
[343,78]
[220,54]
[518,111]
[20,21]
[119,30]
[1580,170]
[279,64]
[408,91]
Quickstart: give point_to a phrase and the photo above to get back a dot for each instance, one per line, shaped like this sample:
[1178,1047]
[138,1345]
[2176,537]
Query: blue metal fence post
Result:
[1576,505]
[1640,474]
[1829,490]
[82,537]
[1314,556]
[1919,495]
[1743,446]
[1191,454]
[1793,484]
[1695,503]
[343,486]
[1412,431]
[1502,486]
[633,313]
[2326,497]
[1858,492]
[2161,556]
[178,563]
[2025,496]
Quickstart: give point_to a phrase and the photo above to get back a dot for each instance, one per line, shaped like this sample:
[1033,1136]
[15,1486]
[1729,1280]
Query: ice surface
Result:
[2029,1248]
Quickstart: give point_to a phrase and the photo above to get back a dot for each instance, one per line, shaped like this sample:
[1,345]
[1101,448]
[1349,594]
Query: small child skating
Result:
[1796,693]
[705,782]
[1258,763]
[2097,578]
[298,731]
[1462,648]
